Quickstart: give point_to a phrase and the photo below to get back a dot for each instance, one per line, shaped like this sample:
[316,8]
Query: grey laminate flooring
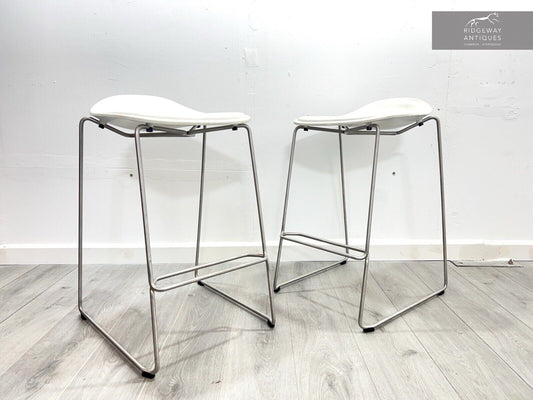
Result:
[475,342]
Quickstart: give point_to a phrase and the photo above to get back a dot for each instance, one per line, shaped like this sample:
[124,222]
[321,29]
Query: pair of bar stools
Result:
[148,116]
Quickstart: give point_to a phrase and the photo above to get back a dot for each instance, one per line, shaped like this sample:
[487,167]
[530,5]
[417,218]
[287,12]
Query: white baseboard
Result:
[184,252]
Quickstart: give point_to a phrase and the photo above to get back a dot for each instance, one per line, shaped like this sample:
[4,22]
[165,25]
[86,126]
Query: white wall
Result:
[60,57]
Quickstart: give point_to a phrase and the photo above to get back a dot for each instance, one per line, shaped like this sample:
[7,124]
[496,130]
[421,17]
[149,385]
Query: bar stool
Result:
[136,116]
[394,116]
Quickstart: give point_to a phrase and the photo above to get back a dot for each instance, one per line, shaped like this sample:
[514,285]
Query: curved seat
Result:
[128,111]
[389,114]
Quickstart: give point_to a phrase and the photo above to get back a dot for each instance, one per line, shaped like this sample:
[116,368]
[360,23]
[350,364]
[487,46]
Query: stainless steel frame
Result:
[143,131]
[358,253]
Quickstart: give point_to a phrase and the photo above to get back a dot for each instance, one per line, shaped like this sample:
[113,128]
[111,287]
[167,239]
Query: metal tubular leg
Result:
[80,217]
[343,190]
[368,230]
[442,208]
[285,206]
[371,328]
[276,270]
[148,251]
[272,321]
[200,205]
[277,286]
[148,373]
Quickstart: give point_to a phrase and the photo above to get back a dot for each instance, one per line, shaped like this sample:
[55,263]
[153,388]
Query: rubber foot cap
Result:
[200,283]
[271,324]
[343,262]
[83,317]
[148,375]
[441,293]
[276,290]
[367,330]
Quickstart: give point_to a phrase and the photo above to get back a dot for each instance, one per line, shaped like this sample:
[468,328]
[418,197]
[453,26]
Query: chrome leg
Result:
[369,229]
[371,328]
[278,259]
[200,205]
[271,321]
[442,208]
[277,286]
[148,251]
[80,216]
[343,190]
[285,206]
[148,373]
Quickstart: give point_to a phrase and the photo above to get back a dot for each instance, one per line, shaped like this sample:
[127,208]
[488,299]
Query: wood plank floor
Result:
[475,342]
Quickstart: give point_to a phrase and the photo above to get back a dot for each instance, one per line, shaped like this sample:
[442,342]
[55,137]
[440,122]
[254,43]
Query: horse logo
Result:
[491,18]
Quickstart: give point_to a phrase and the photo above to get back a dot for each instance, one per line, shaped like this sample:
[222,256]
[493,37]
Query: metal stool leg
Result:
[368,231]
[285,206]
[277,286]
[200,206]
[343,190]
[148,373]
[442,209]
[371,328]
[148,250]
[271,321]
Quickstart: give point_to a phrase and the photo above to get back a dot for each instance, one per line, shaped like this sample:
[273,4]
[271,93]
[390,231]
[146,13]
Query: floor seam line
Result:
[477,335]
[22,274]
[36,296]
[497,303]
[418,339]
[349,323]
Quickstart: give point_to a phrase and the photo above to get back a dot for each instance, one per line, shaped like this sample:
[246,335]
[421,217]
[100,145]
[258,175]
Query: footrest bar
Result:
[305,235]
[207,276]
[201,266]
[315,272]
[323,248]
[238,303]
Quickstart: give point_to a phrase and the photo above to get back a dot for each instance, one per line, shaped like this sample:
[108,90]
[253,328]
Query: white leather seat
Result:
[389,114]
[128,111]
